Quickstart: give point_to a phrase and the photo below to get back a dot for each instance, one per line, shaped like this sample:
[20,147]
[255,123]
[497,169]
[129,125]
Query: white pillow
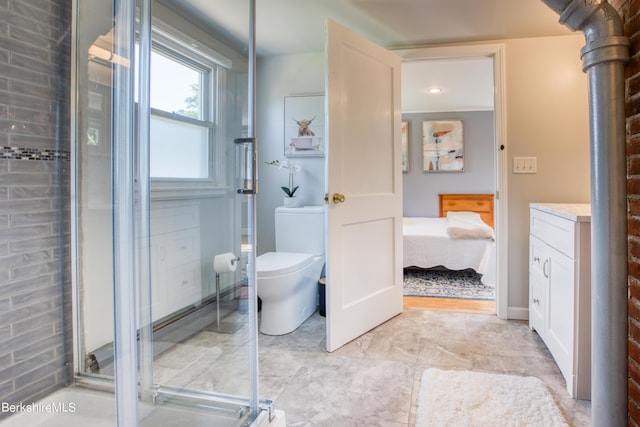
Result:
[468,225]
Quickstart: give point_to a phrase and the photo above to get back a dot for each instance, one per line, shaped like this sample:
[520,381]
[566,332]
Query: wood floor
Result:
[450,304]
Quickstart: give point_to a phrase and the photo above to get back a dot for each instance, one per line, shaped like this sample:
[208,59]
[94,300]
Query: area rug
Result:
[443,283]
[477,399]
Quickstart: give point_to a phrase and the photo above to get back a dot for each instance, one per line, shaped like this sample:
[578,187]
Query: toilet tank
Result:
[300,229]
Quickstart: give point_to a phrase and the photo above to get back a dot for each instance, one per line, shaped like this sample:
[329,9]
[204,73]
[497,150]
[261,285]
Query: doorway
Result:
[493,54]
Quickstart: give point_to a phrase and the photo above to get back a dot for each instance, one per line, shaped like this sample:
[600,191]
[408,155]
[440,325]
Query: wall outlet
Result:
[525,164]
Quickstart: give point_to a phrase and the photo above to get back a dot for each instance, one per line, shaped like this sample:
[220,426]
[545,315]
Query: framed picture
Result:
[442,146]
[304,126]
[405,146]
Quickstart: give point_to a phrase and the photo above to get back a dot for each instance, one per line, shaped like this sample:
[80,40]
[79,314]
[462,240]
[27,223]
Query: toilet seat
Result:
[272,264]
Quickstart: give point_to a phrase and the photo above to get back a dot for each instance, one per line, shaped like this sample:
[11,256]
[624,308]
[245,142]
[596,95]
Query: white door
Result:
[364,186]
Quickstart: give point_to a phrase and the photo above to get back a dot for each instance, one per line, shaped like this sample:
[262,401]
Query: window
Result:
[184,134]
[182,130]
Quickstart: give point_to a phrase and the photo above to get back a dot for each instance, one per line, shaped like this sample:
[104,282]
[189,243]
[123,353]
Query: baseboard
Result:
[517,313]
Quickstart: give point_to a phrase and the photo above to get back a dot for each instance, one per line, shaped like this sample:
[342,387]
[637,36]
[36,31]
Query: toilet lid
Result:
[274,264]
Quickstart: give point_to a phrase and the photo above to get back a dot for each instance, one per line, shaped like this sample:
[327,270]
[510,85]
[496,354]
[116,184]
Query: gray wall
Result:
[421,189]
[34,199]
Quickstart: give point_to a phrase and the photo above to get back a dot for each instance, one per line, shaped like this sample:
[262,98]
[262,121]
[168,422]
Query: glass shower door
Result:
[201,209]
[164,214]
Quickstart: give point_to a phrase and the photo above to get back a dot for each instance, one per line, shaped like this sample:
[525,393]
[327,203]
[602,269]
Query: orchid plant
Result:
[293,168]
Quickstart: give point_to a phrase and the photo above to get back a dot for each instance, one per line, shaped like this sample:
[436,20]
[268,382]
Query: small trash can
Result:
[322,302]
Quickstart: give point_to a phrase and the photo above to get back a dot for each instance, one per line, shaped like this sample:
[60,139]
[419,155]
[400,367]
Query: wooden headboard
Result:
[480,203]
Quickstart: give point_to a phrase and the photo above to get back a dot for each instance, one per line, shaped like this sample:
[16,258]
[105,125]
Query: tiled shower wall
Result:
[35,305]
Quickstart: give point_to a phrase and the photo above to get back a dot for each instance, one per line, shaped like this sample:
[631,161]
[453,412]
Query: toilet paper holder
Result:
[223,263]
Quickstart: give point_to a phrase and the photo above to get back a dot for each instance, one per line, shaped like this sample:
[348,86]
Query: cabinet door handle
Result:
[544,268]
[536,259]
[536,301]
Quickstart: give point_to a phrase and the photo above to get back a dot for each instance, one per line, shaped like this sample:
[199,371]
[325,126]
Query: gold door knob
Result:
[338,198]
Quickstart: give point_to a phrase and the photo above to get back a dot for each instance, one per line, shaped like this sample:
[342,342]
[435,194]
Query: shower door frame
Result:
[131,226]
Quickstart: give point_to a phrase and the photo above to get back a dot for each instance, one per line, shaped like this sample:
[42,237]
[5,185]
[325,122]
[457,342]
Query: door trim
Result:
[495,51]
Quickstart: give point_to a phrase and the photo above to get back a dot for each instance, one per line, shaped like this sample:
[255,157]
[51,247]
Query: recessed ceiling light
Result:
[435,90]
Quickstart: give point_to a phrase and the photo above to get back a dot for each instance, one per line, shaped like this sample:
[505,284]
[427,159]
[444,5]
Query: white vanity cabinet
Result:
[176,278]
[560,288]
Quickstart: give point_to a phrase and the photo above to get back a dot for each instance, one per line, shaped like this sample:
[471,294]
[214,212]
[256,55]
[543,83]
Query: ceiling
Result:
[298,26]
[465,85]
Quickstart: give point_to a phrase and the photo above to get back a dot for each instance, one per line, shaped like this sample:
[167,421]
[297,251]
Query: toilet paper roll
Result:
[224,263]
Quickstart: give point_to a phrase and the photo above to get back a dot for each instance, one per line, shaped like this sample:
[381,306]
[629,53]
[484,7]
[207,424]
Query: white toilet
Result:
[287,279]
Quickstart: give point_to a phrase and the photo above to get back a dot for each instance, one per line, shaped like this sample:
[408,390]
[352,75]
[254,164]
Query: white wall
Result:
[278,77]
[546,117]
[421,189]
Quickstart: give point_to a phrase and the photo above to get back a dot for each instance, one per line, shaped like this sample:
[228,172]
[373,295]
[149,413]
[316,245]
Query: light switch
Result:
[525,165]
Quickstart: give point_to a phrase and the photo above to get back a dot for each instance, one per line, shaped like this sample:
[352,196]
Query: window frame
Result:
[177,46]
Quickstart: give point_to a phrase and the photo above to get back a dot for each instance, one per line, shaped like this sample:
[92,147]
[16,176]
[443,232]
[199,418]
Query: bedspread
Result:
[427,244]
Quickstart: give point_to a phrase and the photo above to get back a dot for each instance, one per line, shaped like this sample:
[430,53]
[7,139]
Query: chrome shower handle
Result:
[247,165]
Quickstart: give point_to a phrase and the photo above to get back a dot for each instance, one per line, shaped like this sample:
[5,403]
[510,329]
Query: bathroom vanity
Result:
[560,288]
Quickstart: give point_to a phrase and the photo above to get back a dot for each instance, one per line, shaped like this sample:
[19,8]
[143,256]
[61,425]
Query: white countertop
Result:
[573,211]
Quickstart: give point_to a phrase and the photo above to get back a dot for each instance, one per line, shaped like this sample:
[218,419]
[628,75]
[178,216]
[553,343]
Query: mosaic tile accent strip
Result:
[22,153]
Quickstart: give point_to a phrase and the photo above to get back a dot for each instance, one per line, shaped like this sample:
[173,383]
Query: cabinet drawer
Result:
[557,232]
[184,286]
[466,205]
[182,247]
[168,219]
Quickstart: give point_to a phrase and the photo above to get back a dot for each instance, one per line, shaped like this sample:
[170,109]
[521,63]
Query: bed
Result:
[428,242]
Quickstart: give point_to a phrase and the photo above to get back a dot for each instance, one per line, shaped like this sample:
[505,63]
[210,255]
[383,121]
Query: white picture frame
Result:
[442,146]
[304,122]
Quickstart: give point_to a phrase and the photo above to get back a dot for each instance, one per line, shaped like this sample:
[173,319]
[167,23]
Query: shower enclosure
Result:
[163,184]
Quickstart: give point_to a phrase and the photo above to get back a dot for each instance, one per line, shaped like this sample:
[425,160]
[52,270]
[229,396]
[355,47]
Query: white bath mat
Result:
[465,398]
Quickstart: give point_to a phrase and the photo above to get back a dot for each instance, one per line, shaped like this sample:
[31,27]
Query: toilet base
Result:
[279,319]
[289,300]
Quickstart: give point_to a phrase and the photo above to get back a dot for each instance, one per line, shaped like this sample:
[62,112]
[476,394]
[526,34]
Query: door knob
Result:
[338,198]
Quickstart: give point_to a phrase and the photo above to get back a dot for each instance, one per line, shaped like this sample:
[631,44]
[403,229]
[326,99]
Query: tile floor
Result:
[372,381]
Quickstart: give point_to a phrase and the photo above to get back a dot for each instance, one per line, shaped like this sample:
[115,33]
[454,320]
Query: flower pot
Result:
[291,202]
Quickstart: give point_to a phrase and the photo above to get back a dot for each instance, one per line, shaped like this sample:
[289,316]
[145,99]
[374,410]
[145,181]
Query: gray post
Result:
[604,56]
